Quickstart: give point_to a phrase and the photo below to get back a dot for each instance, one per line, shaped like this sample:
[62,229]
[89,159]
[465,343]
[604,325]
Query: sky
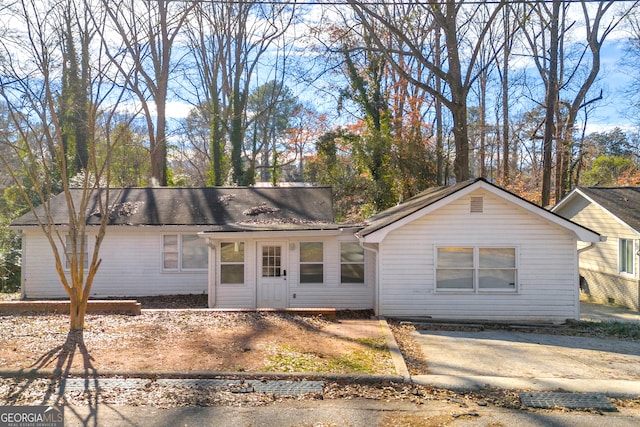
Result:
[612,111]
[614,80]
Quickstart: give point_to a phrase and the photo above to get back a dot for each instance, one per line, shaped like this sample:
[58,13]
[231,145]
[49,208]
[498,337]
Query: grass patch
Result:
[622,330]
[372,358]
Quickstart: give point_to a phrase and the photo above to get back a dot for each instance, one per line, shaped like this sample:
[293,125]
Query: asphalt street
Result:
[339,413]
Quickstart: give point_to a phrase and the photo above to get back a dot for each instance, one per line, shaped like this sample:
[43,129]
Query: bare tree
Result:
[411,26]
[230,42]
[596,32]
[568,72]
[34,152]
[148,32]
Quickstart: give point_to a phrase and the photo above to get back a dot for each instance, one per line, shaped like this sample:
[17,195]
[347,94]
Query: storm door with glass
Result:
[272,275]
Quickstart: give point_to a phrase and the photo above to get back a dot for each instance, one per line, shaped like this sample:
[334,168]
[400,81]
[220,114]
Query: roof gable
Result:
[410,206]
[220,207]
[623,203]
[380,225]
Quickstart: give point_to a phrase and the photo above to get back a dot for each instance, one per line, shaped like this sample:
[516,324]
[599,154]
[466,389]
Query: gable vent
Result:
[476,205]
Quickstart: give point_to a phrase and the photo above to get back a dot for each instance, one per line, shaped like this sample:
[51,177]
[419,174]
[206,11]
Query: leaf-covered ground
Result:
[197,341]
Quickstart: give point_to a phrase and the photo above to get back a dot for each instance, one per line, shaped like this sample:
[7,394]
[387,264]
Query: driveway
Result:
[604,313]
[511,359]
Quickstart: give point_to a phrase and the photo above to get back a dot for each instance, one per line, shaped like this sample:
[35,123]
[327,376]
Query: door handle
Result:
[284,273]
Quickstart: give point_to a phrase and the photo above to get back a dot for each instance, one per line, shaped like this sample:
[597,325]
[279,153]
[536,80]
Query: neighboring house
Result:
[609,269]
[469,251]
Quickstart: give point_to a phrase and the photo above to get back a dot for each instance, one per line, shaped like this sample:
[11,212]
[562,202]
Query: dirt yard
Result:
[191,341]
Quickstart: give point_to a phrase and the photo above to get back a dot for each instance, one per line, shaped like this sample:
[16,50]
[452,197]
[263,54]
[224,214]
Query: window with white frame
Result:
[69,251]
[184,252]
[232,263]
[476,269]
[626,256]
[351,263]
[311,262]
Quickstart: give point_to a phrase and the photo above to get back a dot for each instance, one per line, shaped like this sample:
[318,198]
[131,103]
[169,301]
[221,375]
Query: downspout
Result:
[23,266]
[590,246]
[635,262]
[211,274]
[377,280]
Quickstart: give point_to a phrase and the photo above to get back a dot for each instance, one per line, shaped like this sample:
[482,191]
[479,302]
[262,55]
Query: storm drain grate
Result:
[547,400]
[287,387]
[284,387]
[281,387]
[76,384]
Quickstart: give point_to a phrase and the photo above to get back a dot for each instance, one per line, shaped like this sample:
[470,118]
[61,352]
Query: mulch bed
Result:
[173,301]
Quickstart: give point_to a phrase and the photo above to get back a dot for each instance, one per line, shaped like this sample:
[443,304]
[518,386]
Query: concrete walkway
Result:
[606,313]
[466,360]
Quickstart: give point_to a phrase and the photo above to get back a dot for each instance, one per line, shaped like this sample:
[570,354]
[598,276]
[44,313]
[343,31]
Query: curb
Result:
[352,378]
[394,349]
[611,388]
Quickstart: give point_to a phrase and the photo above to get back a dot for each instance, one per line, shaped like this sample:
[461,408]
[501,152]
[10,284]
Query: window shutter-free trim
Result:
[476,269]
[184,252]
[311,262]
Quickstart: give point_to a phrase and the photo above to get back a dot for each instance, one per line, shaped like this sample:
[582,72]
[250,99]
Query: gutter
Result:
[591,245]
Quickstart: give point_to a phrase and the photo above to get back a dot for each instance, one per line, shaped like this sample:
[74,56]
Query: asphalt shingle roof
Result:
[221,208]
[623,202]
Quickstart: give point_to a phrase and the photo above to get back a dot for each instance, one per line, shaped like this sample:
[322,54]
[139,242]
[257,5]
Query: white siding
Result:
[330,294]
[604,256]
[131,266]
[234,295]
[599,265]
[547,272]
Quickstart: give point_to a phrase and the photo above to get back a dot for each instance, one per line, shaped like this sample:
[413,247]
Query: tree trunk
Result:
[483,124]
[440,176]
[217,144]
[505,101]
[551,100]
[159,151]
[77,311]
[461,137]
[458,94]
[236,137]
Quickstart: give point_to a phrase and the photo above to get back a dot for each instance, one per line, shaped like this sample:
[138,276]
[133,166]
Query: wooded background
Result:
[380,100]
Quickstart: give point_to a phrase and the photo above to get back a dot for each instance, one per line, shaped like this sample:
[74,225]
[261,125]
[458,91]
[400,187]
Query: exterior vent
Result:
[476,205]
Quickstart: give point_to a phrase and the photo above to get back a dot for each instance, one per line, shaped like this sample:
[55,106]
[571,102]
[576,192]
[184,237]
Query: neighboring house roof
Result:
[623,202]
[379,225]
[221,209]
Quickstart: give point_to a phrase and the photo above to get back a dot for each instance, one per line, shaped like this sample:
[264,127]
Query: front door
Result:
[272,275]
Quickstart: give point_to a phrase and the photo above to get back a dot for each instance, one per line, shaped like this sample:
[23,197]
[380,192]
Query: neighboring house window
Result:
[627,256]
[311,262]
[184,252]
[476,269]
[69,252]
[351,263]
[232,262]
